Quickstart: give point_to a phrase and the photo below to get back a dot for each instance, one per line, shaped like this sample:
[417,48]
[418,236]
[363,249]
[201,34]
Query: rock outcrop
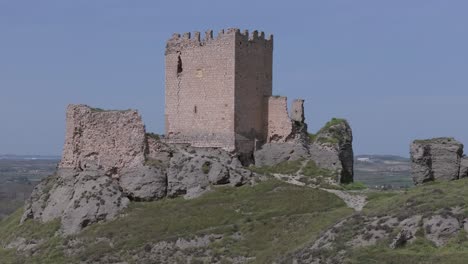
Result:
[436,159]
[110,160]
[77,198]
[332,148]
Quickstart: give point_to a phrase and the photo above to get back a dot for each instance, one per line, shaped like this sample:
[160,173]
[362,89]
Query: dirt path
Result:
[355,201]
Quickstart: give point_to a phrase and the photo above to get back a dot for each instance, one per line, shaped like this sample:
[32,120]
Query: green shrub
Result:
[153,136]
[354,186]
[206,167]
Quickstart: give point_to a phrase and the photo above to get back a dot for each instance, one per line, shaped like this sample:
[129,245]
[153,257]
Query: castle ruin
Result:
[219,92]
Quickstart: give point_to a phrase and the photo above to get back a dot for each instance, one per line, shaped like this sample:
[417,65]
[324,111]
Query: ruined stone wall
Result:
[200,90]
[253,82]
[297,110]
[280,125]
[110,139]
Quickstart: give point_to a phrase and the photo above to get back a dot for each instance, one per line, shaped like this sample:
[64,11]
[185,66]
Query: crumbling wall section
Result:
[297,111]
[280,126]
[109,139]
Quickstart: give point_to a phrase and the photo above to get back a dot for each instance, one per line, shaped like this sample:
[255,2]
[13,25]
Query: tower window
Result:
[179,65]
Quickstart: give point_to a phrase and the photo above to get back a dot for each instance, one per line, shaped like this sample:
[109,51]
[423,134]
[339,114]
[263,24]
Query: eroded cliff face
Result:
[112,140]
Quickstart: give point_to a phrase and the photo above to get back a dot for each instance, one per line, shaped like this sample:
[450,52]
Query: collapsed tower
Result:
[219,92]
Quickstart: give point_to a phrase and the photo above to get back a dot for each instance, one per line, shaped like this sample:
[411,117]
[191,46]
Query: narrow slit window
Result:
[179,65]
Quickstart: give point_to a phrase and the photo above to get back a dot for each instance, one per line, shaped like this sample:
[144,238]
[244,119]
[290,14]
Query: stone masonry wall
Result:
[216,89]
[280,125]
[200,90]
[253,82]
[111,139]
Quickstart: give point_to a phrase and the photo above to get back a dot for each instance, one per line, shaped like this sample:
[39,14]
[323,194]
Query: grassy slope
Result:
[273,217]
[425,200]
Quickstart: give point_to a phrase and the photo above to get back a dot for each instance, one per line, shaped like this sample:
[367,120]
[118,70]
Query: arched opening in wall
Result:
[195,110]
[179,65]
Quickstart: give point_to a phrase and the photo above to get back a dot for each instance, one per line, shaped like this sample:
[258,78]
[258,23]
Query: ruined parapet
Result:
[283,126]
[435,159]
[297,111]
[111,140]
[280,126]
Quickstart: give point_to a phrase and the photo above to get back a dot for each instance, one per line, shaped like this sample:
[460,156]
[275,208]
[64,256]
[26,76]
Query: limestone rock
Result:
[463,167]
[407,234]
[111,139]
[332,149]
[274,153]
[439,229]
[218,174]
[437,159]
[191,171]
[77,198]
[96,197]
[50,197]
[144,183]
[421,163]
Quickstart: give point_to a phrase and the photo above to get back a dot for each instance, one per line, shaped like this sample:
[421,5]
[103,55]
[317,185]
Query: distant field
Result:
[18,176]
[383,171]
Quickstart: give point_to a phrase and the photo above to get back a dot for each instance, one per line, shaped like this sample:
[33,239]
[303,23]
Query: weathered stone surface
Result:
[437,159]
[50,197]
[332,148]
[297,111]
[407,234]
[144,183]
[439,229]
[96,198]
[157,150]
[421,163]
[274,153]
[280,126]
[191,171]
[77,198]
[463,167]
[111,139]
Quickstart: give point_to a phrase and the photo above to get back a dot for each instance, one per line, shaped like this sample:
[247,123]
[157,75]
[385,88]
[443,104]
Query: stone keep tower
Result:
[217,89]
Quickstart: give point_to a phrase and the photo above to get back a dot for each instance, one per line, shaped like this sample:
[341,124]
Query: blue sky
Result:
[397,70]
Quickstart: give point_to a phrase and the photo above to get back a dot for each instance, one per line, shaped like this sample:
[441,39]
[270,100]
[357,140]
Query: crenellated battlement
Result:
[188,40]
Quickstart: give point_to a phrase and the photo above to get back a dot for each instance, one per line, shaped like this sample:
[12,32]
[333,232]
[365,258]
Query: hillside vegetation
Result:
[256,224]
[270,221]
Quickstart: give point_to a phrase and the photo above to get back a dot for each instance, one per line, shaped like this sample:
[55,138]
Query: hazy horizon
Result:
[396,69]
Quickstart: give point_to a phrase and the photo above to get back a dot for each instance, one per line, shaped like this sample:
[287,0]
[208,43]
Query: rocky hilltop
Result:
[110,160]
